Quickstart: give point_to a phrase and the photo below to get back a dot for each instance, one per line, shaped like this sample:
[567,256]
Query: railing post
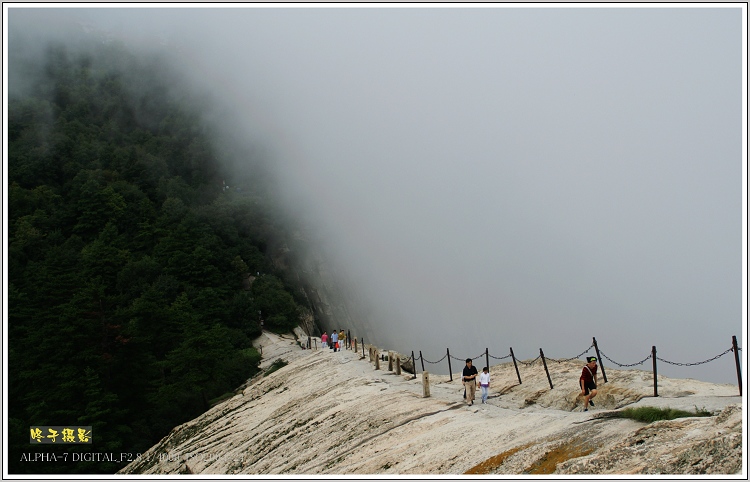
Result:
[356,348]
[309,342]
[390,361]
[653,358]
[425,384]
[604,374]
[348,339]
[737,362]
[450,370]
[421,359]
[515,365]
[487,358]
[363,347]
[541,354]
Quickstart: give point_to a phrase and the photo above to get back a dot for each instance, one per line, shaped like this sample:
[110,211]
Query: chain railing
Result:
[696,363]
[572,358]
[500,358]
[625,365]
[434,362]
[528,363]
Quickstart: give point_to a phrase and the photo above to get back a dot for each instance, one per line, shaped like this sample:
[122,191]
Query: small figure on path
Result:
[484,383]
[334,339]
[588,382]
[342,340]
[324,340]
[470,381]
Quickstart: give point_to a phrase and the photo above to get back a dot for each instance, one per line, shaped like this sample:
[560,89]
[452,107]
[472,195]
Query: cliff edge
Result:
[334,413]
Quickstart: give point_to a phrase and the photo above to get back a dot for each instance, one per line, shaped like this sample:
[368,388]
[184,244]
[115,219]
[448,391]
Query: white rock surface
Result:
[332,413]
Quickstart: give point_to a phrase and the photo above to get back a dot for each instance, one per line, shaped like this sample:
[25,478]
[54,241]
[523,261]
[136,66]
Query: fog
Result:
[494,177]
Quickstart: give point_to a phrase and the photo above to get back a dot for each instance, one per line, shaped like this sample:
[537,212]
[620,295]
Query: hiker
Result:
[324,340]
[342,340]
[484,383]
[588,382]
[470,381]
[334,339]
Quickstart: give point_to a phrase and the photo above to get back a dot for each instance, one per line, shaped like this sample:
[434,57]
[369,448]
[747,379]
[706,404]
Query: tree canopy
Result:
[129,309]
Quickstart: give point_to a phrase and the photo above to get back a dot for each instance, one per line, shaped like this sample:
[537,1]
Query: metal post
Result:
[653,358]
[541,353]
[515,365]
[309,342]
[450,370]
[598,357]
[487,358]
[414,364]
[363,347]
[737,362]
[421,359]
[348,338]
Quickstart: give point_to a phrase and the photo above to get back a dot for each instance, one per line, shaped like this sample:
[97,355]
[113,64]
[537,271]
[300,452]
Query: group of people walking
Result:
[337,340]
[473,379]
[469,378]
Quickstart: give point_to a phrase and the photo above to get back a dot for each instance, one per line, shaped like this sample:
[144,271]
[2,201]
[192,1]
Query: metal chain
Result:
[623,364]
[528,364]
[604,355]
[500,358]
[573,358]
[434,362]
[696,363]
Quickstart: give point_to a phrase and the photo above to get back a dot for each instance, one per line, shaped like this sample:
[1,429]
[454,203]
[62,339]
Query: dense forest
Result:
[128,257]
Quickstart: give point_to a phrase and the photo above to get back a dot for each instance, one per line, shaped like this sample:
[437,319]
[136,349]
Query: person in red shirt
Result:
[588,382]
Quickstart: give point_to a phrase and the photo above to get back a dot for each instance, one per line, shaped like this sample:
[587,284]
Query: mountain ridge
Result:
[333,413]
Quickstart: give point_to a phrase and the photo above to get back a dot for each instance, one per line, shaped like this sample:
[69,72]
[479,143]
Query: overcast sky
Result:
[497,177]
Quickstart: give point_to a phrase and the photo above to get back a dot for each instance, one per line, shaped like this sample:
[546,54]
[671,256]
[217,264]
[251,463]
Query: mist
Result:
[491,177]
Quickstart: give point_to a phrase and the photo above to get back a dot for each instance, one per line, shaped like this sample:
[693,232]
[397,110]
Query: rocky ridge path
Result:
[331,413]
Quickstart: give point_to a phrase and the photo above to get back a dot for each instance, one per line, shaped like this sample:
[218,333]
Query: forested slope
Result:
[126,255]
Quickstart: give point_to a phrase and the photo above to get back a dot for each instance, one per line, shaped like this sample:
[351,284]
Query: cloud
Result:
[496,177]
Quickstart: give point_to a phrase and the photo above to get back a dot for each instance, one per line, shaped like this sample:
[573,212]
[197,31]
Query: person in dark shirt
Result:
[470,381]
[588,382]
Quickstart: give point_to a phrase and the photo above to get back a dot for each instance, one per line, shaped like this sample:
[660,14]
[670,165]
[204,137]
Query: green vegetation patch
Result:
[652,414]
[279,363]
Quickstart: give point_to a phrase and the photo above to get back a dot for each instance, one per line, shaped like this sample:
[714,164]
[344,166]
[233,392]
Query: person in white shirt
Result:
[484,383]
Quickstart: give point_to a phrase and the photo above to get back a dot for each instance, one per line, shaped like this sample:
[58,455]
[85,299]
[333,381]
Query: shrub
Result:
[279,363]
[652,414]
